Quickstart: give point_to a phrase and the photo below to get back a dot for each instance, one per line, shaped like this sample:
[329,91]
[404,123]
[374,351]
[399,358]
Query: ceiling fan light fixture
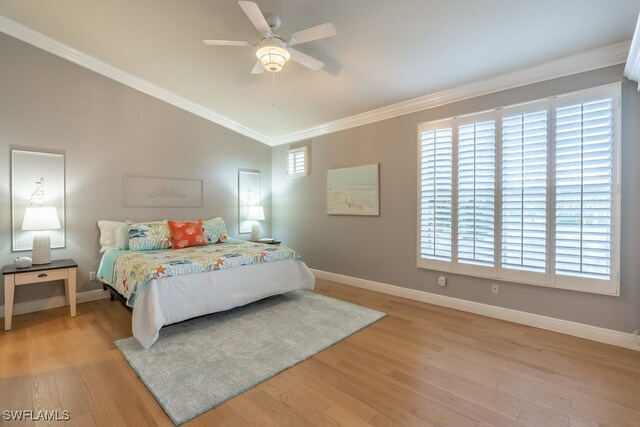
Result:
[273,57]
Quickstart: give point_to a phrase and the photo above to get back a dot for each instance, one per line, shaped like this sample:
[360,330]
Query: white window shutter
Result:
[435,152]
[524,191]
[583,157]
[528,193]
[476,193]
[297,163]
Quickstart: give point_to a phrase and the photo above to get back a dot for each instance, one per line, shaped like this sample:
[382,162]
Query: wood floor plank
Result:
[251,413]
[281,388]
[344,417]
[420,365]
[322,384]
[280,411]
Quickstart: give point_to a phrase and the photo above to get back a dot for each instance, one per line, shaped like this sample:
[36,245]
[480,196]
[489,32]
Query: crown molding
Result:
[26,34]
[585,61]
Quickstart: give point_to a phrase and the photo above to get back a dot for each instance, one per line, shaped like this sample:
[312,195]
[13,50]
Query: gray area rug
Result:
[198,364]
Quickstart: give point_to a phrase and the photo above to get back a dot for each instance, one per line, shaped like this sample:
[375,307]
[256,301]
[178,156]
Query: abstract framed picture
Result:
[156,192]
[37,180]
[354,191]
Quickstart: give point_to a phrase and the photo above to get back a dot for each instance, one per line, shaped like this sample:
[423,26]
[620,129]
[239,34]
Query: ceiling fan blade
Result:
[256,17]
[306,60]
[258,68]
[310,34]
[226,43]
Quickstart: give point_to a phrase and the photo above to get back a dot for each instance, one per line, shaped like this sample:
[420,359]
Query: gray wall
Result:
[107,130]
[383,248]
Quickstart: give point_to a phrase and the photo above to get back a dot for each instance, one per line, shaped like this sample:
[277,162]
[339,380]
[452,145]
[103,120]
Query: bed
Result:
[168,286]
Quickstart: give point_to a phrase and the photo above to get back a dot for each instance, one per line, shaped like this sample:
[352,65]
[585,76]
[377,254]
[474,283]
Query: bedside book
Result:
[269,240]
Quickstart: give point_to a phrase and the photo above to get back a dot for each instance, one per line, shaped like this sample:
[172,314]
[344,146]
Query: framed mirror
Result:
[248,195]
[37,180]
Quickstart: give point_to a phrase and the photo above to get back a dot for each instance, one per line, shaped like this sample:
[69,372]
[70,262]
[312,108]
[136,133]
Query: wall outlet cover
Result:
[92,275]
[442,281]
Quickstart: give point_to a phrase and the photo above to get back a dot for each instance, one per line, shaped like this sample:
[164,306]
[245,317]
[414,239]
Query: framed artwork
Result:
[37,180]
[153,192]
[354,191]
[248,195]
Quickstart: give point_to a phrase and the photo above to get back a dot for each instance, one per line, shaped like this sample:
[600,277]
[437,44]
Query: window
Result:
[476,192]
[435,192]
[585,184]
[297,162]
[524,192]
[527,193]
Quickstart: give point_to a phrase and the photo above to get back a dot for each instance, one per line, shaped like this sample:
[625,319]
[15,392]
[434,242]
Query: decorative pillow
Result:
[122,237]
[215,231]
[149,236]
[187,233]
[108,232]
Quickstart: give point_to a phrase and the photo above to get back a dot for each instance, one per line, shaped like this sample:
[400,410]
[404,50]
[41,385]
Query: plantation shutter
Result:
[297,161]
[583,157]
[524,190]
[528,193]
[476,192]
[436,193]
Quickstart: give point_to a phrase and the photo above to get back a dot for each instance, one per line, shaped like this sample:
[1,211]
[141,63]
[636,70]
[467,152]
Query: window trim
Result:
[549,278]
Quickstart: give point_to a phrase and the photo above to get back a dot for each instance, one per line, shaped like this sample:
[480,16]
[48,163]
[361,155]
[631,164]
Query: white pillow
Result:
[122,237]
[108,233]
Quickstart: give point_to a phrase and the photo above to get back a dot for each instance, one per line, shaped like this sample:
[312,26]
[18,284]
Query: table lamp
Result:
[41,218]
[255,214]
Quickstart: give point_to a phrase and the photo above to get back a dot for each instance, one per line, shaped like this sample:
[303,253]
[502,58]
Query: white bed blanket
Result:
[174,299]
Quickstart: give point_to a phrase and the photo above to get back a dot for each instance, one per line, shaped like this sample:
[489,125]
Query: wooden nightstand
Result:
[64,269]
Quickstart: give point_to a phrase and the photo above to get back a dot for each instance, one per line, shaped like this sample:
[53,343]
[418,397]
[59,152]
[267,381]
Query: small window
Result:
[297,162]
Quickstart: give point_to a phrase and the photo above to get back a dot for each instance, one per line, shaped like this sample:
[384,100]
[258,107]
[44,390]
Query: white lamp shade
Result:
[255,213]
[632,69]
[41,218]
[273,57]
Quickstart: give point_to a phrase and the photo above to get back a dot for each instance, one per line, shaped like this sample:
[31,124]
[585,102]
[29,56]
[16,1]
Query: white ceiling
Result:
[385,52]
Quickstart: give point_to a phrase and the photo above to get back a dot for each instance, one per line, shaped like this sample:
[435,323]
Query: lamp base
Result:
[255,231]
[41,249]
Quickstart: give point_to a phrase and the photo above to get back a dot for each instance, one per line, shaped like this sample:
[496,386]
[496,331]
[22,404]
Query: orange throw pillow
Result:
[186,234]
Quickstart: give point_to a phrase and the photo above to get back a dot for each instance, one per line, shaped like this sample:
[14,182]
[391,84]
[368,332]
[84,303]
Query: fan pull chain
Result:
[273,79]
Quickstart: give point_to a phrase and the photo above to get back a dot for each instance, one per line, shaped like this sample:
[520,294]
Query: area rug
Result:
[198,364]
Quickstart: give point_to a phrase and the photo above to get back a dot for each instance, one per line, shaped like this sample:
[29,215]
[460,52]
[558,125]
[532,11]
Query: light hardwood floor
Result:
[420,365]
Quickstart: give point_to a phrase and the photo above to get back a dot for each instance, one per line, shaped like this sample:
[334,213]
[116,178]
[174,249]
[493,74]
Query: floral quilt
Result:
[129,271]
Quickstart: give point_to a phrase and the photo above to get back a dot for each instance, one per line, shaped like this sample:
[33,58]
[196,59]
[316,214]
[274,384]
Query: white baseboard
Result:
[54,302]
[594,333]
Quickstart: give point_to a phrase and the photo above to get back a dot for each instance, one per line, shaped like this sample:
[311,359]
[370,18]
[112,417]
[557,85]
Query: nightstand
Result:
[64,269]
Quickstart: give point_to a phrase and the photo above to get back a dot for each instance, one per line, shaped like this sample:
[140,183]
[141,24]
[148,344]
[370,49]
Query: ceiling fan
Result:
[274,50]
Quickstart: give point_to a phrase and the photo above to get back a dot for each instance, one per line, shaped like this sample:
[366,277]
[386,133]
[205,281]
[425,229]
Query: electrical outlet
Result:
[92,275]
[495,288]
[442,281]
